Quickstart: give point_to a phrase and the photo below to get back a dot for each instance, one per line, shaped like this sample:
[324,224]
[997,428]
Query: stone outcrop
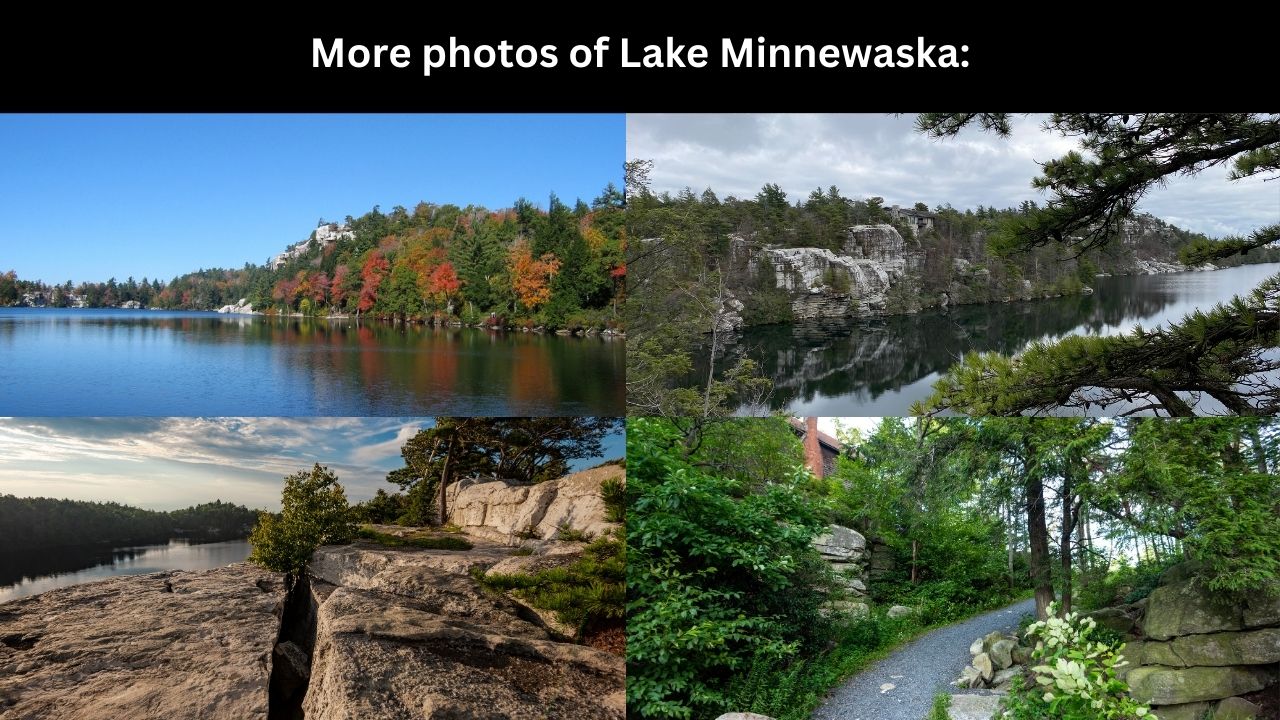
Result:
[244,307]
[411,634]
[1193,651]
[997,660]
[846,551]
[509,513]
[323,235]
[170,645]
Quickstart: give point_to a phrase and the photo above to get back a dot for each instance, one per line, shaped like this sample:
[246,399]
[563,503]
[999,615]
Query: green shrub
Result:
[614,494]
[568,533]
[941,704]
[1122,584]
[591,592]
[313,512]
[1075,677]
[716,582]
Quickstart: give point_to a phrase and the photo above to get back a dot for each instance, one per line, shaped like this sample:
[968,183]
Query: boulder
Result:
[1133,653]
[976,646]
[1116,619]
[1251,647]
[1021,655]
[982,662]
[1184,607]
[508,513]
[970,677]
[1004,678]
[1159,685]
[973,707]
[380,655]
[1001,653]
[743,716]
[166,645]
[841,543]
[1189,711]
[900,611]
[850,608]
[1234,708]
[1262,609]
[530,564]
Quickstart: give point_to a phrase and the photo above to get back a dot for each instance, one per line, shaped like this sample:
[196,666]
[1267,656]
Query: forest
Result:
[559,268]
[732,607]
[28,524]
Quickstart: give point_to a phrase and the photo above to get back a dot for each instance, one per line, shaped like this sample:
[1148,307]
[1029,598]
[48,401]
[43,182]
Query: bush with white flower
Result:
[1075,677]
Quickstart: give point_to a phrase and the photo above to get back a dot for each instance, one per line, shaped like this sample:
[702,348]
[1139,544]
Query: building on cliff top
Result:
[920,220]
[820,449]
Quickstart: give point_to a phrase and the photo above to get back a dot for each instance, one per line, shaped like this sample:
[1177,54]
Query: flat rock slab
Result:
[973,707]
[380,656]
[169,645]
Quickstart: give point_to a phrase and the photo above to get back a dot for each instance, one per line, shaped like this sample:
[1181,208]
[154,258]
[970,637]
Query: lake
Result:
[880,366]
[30,573]
[142,362]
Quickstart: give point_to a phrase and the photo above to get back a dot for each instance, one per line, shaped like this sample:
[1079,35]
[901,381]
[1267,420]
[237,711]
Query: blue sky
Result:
[87,197]
[167,463]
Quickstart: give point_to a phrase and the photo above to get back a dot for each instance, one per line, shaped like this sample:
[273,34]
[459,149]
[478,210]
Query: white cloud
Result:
[882,155]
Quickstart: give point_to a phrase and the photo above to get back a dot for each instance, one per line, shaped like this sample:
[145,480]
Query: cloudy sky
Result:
[868,155]
[168,463]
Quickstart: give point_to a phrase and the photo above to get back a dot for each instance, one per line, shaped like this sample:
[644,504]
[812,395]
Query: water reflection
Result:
[108,362]
[880,366]
[23,574]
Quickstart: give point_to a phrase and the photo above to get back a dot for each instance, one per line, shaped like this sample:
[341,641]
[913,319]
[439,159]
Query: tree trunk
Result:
[1038,540]
[1012,533]
[914,550]
[444,485]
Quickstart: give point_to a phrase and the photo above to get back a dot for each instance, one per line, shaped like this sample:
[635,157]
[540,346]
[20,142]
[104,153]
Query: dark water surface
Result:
[29,573]
[880,366]
[142,362]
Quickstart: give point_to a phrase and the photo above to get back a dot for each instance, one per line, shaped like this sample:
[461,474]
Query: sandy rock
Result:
[743,716]
[982,662]
[168,645]
[382,656]
[502,512]
[899,611]
[1001,653]
[841,544]
[976,646]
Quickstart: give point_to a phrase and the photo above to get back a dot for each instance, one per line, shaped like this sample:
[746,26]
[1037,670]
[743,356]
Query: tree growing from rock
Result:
[1226,354]
[313,512]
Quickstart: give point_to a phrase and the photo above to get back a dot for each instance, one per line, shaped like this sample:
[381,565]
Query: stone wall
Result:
[1193,652]
[848,554]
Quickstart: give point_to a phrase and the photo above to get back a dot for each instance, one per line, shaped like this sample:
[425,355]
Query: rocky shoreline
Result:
[368,631]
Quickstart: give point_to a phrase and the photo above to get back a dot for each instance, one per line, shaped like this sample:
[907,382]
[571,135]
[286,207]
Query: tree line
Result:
[561,267]
[726,595]
[37,523]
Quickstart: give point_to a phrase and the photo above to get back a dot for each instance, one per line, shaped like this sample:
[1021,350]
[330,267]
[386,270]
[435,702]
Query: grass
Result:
[568,533]
[421,539]
[941,703]
[589,592]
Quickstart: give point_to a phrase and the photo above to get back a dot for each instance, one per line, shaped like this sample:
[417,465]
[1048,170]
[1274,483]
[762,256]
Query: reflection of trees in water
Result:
[864,358]
[17,567]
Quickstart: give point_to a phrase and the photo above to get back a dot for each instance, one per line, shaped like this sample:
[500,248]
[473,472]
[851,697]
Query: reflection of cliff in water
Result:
[863,358]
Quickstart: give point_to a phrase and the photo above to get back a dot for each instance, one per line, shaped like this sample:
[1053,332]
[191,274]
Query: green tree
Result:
[1225,353]
[313,512]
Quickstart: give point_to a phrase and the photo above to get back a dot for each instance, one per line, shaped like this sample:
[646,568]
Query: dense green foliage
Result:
[1075,676]
[313,512]
[726,594]
[726,591]
[1226,353]
[559,268]
[36,523]
[589,594]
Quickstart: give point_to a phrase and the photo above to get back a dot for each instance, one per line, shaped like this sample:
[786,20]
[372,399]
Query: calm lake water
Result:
[31,573]
[141,362]
[881,366]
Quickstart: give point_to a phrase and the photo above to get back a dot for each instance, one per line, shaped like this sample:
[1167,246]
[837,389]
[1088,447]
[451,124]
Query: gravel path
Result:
[917,671]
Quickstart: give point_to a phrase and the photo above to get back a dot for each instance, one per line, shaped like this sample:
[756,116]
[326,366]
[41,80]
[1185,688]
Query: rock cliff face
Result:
[856,280]
[411,634]
[508,513]
[168,645]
